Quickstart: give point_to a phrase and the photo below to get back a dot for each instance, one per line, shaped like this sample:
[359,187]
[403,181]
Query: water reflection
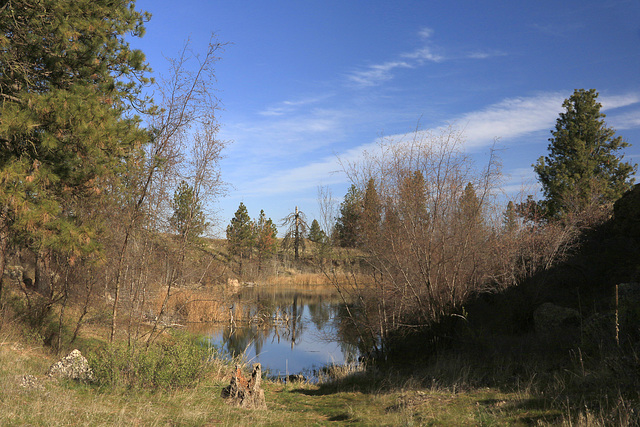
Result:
[287,331]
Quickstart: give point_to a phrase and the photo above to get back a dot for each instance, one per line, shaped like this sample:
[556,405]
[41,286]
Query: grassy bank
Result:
[351,400]
[447,390]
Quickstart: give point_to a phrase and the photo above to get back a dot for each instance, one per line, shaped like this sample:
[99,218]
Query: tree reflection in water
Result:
[288,331]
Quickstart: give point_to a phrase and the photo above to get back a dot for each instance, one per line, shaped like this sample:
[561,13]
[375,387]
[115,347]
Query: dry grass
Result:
[352,396]
[197,306]
[309,281]
[291,278]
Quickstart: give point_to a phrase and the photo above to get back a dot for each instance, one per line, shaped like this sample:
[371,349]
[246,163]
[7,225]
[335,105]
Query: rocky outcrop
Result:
[553,322]
[245,393]
[626,213]
[629,310]
[73,366]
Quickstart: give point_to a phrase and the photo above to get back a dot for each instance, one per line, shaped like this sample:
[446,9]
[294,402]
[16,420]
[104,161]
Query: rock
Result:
[31,382]
[599,331]
[626,212]
[554,322]
[299,378]
[629,293]
[74,366]
[245,393]
[629,309]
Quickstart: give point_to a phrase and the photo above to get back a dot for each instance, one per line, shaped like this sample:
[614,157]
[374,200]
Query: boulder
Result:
[553,322]
[245,393]
[629,309]
[626,212]
[599,331]
[73,366]
[296,378]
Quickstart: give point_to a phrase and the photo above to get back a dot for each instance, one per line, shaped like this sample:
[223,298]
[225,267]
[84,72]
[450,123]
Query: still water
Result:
[287,331]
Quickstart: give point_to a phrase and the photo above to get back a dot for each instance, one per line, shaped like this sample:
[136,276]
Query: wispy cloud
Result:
[288,107]
[554,30]
[485,54]
[290,135]
[618,101]
[376,74]
[326,170]
[425,32]
[510,118]
[629,120]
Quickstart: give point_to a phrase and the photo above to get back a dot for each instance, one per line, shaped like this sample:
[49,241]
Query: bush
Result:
[179,362]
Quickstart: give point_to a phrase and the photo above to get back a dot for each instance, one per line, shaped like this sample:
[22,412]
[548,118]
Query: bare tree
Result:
[426,235]
[186,113]
[328,210]
[296,223]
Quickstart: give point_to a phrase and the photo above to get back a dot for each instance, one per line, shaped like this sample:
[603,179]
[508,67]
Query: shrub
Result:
[179,362]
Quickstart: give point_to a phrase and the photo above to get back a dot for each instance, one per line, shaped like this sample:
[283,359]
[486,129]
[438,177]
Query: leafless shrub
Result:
[433,235]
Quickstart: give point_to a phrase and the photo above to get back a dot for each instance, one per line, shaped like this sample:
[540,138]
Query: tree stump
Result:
[245,393]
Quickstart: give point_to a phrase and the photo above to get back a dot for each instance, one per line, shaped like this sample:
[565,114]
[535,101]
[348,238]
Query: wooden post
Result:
[617,319]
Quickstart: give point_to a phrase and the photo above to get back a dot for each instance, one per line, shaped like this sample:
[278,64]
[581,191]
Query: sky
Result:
[304,84]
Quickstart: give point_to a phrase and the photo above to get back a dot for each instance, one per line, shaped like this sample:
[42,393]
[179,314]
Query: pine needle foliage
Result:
[584,167]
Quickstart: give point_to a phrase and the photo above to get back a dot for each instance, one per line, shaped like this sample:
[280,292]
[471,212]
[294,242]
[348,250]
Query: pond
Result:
[288,331]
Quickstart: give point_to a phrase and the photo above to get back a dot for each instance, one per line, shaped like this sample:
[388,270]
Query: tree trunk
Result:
[4,238]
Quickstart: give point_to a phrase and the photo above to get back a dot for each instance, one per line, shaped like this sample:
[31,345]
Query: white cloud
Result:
[629,120]
[510,118]
[425,32]
[424,54]
[485,54]
[376,74]
[327,170]
[507,120]
[288,107]
[618,101]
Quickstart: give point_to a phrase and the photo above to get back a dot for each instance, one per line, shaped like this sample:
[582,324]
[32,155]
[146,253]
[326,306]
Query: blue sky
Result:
[305,82]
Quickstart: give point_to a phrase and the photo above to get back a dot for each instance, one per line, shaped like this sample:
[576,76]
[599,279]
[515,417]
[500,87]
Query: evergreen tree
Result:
[316,234]
[188,217]
[371,215]
[470,208]
[347,224]
[583,167]
[240,234]
[413,201]
[510,218]
[68,85]
[265,238]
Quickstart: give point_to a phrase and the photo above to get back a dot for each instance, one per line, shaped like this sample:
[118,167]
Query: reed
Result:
[195,306]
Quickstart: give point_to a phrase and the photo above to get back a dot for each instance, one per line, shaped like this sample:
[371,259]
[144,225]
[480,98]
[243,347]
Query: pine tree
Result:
[413,201]
[316,234]
[347,224]
[470,208]
[265,238]
[240,234]
[69,84]
[371,215]
[510,218]
[583,167]
[188,217]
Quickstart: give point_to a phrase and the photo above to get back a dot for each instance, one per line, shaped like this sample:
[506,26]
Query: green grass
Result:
[364,400]
[448,389]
